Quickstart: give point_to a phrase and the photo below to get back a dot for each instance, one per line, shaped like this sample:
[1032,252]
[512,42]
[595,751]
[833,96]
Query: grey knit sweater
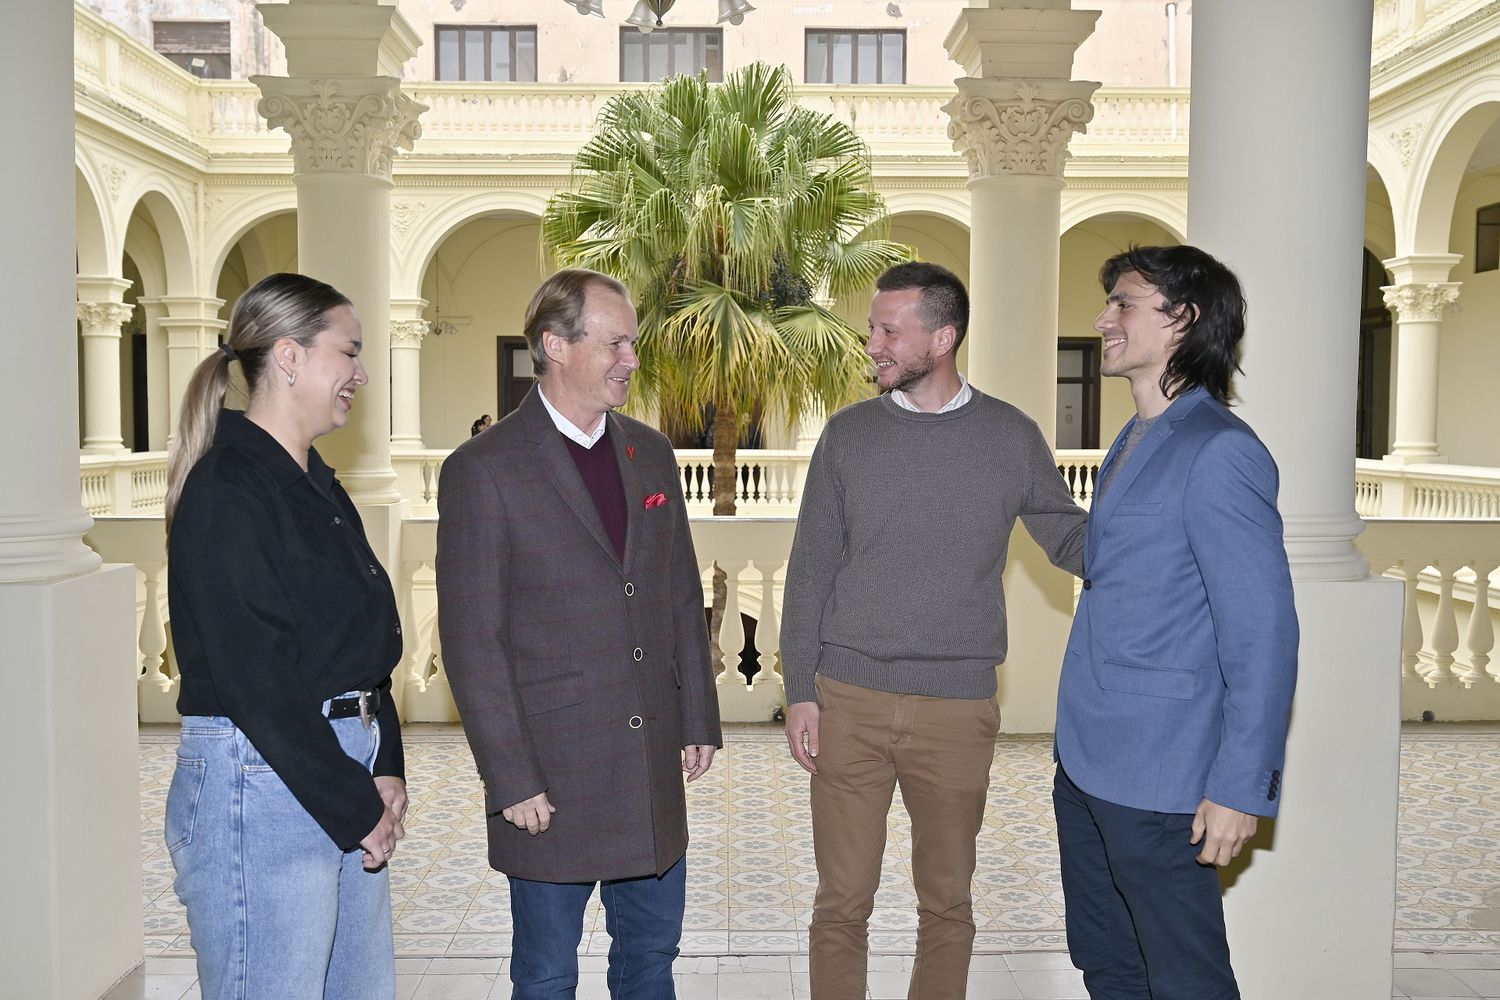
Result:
[894,581]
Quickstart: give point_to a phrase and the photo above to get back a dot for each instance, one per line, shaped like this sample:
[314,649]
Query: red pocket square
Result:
[655,500]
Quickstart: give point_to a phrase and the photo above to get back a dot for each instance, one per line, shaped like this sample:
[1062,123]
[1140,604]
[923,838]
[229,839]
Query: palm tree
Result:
[729,211]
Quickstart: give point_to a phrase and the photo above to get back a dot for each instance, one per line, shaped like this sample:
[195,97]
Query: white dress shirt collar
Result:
[568,428]
[964,395]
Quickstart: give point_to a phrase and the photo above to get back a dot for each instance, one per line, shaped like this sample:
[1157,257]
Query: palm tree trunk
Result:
[726,487]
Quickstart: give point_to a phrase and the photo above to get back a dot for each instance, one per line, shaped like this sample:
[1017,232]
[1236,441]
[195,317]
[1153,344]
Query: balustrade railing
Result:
[1437,491]
[1400,24]
[123,484]
[1081,470]
[1453,562]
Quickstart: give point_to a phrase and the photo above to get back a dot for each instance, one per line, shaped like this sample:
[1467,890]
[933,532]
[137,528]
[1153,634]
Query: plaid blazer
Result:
[574,673]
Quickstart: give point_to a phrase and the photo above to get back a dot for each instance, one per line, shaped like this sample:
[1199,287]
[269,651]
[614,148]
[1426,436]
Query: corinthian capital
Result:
[1017,126]
[103,319]
[350,125]
[408,332]
[1420,302]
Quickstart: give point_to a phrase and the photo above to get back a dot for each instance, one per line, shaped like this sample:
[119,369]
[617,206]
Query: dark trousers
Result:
[644,920]
[1145,920]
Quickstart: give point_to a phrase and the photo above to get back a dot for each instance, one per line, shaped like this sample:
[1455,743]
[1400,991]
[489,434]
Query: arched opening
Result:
[474,360]
[1090,409]
[267,247]
[1373,411]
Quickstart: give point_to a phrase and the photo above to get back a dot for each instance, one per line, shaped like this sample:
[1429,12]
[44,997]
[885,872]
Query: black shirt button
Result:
[1088,584]
[373,570]
[338,521]
[398,629]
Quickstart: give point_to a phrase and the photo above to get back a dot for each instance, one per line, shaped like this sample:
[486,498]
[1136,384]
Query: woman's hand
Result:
[380,844]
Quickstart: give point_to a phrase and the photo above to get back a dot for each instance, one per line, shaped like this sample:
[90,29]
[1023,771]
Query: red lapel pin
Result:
[630,452]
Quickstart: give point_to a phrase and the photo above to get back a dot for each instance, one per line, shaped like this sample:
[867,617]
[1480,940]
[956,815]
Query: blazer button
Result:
[629,589]
[639,654]
[1088,584]
[636,722]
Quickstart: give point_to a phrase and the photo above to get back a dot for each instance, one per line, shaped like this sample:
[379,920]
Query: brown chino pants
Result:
[939,751]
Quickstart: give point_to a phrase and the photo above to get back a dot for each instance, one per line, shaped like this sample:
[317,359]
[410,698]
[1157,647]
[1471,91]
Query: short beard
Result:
[913,376]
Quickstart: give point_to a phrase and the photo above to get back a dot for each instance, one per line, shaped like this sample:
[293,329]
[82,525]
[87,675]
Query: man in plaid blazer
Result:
[571,615]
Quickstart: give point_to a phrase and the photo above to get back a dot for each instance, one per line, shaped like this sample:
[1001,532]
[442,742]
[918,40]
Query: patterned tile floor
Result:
[751,878]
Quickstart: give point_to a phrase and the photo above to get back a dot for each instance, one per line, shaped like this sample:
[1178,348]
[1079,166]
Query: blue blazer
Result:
[1177,682]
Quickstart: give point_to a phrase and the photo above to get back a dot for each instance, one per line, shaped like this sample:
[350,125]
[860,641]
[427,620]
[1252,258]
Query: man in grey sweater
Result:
[894,623]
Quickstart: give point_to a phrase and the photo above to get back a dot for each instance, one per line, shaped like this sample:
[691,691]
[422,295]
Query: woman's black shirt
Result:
[278,604]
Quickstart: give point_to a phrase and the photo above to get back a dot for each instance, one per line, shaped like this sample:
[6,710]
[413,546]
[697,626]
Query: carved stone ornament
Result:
[339,127]
[103,319]
[1026,135]
[1405,140]
[404,213]
[408,332]
[1420,303]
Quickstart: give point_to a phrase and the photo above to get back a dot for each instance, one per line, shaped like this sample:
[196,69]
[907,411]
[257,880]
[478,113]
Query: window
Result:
[856,57]
[1487,239]
[649,58]
[200,47]
[486,53]
[1077,392]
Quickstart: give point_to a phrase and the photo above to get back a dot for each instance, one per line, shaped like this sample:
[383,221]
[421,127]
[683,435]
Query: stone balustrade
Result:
[1400,24]
[1436,491]
[132,483]
[1445,564]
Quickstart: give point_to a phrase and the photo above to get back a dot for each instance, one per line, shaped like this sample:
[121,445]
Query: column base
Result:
[1415,454]
[71,923]
[1321,548]
[1312,907]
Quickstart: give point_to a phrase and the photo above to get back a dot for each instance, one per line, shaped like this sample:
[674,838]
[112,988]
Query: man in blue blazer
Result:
[1177,685]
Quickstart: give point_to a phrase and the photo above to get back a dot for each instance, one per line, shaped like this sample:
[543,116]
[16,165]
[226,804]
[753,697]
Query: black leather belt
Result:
[348,708]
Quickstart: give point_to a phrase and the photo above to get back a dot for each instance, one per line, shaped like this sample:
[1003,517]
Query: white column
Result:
[70,906]
[1016,109]
[101,314]
[1276,190]
[1418,301]
[407,330]
[192,326]
[158,420]
[343,107]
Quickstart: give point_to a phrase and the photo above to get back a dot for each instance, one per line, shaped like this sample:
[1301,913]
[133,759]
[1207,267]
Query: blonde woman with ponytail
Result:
[289,793]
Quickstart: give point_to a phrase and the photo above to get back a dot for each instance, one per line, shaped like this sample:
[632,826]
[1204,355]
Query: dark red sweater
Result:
[601,474]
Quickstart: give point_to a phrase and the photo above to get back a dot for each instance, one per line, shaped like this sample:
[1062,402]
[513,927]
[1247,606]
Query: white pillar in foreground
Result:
[1418,301]
[70,882]
[1310,917]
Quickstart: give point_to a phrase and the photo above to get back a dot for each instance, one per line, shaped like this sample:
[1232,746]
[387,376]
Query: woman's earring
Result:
[291,377]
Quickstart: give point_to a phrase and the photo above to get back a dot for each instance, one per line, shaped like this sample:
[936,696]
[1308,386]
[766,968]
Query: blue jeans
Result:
[644,920]
[276,910]
[1145,920]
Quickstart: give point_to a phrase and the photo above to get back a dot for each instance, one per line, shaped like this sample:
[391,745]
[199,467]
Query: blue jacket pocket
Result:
[1155,682]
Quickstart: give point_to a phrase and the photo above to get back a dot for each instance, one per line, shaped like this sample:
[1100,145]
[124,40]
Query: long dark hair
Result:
[1204,298]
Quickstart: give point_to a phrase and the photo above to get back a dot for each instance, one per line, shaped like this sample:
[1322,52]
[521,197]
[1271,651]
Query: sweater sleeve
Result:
[1051,516]
[817,554]
[229,578]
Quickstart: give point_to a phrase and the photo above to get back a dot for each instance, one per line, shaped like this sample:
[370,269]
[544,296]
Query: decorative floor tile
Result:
[751,878]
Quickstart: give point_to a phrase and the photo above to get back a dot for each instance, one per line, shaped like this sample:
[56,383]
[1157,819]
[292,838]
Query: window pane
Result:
[713,55]
[817,57]
[632,56]
[656,56]
[525,56]
[892,61]
[843,58]
[1069,362]
[500,67]
[447,55]
[474,54]
[1069,416]
[681,60]
[867,58]
[520,362]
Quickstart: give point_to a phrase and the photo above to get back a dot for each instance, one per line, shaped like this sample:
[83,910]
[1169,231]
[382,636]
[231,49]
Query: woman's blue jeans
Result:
[276,910]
